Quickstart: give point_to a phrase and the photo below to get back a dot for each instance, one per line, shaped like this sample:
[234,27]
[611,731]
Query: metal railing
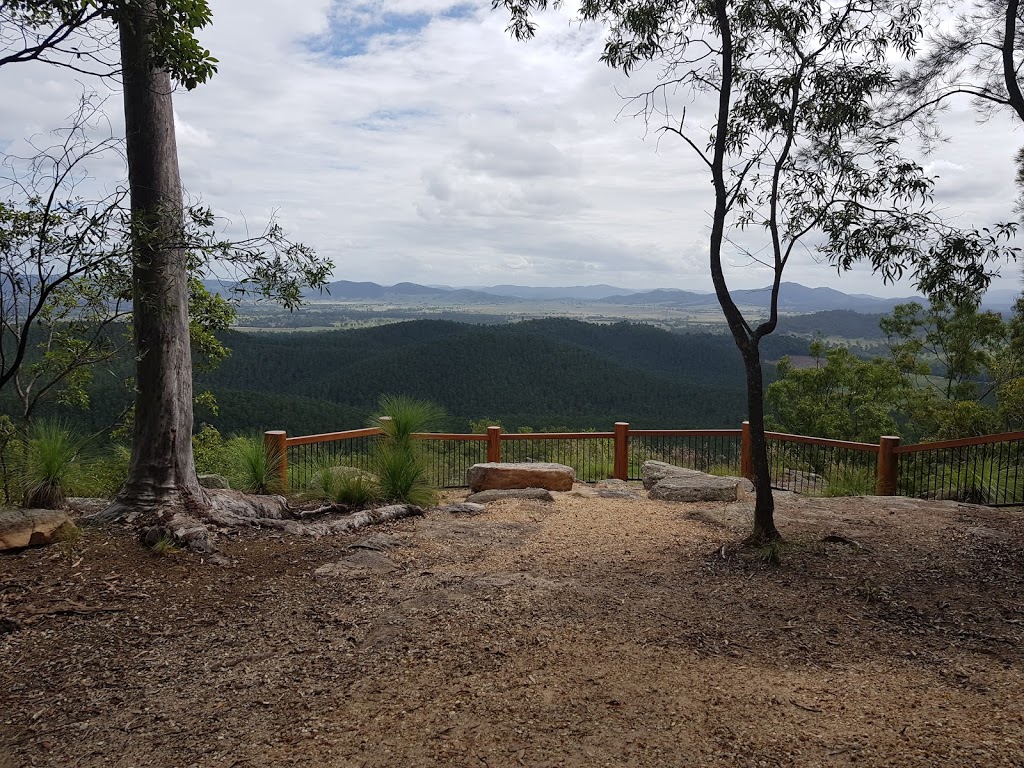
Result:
[985,470]
[715,451]
[979,470]
[814,465]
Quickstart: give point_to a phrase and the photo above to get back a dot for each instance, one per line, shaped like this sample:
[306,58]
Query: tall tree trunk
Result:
[764,506]
[162,476]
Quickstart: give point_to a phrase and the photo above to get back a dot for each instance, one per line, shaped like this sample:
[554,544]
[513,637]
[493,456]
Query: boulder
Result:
[669,483]
[214,481]
[699,487]
[483,497]
[656,471]
[31,527]
[500,476]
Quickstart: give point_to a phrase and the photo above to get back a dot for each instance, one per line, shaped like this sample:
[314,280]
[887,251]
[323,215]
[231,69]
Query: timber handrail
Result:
[685,432]
[966,442]
[825,442]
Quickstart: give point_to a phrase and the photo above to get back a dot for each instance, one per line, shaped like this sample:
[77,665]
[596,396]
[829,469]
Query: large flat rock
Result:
[30,527]
[670,483]
[694,488]
[501,475]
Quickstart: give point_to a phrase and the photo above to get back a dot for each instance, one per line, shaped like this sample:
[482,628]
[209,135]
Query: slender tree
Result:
[794,152]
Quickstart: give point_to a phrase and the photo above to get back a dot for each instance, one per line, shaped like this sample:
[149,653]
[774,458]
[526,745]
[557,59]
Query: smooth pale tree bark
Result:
[162,476]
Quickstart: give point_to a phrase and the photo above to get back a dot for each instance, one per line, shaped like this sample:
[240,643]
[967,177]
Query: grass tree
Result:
[398,461]
[793,148]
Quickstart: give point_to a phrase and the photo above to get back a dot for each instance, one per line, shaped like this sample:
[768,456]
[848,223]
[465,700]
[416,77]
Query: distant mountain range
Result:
[793,297]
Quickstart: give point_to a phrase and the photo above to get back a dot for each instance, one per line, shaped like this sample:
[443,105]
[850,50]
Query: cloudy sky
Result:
[414,140]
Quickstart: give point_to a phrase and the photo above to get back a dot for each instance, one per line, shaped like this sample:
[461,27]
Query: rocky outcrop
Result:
[500,476]
[669,483]
[32,527]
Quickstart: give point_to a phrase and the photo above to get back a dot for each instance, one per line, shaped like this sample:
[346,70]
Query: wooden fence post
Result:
[746,457]
[494,444]
[275,443]
[888,466]
[621,467]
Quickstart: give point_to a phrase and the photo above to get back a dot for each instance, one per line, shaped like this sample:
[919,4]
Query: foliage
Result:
[104,473]
[76,34]
[841,397]
[210,452]
[953,371]
[403,474]
[479,426]
[345,485]
[252,468]
[51,460]
[850,481]
[399,462]
[975,54]
[164,547]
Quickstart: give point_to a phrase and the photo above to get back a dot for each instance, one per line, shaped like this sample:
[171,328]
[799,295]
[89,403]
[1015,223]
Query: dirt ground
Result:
[583,632]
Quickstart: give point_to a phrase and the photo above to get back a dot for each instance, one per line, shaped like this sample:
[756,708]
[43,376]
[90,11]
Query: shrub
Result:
[850,481]
[102,476]
[250,468]
[50,462]
[345,485]
[399,461]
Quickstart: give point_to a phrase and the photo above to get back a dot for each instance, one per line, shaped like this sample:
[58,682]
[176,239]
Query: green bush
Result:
[102,476]
[850,481]
[51,462]
[399,462]
[210,451]
[345,485]
[249,467]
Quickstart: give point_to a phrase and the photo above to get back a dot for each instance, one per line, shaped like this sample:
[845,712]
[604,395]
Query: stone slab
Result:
[504,476]
[706,488]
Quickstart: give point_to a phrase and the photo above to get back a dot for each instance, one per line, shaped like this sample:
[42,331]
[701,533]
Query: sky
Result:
[414,140]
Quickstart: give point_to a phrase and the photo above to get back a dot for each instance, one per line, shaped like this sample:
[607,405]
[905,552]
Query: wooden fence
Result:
[982,469]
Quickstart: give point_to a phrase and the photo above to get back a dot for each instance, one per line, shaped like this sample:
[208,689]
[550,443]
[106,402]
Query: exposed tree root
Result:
[198,530]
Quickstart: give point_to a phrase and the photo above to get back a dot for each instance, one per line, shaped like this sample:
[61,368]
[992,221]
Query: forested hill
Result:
[544,374]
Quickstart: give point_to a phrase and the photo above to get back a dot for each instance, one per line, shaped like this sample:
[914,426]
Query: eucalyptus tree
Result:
[158,49]
[793,150]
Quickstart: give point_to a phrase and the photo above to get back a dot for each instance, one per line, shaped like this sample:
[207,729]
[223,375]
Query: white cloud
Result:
[414,140]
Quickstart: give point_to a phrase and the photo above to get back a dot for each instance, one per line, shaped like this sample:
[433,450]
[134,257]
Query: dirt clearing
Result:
[584,632]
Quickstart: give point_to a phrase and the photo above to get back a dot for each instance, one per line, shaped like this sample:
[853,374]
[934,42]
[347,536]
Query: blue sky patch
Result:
[352,38]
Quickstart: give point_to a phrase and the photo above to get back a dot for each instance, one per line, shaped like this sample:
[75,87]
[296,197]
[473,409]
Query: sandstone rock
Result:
[656,471]
[541,494]
[500,476]
[214,481]
[31,527]
[699,487]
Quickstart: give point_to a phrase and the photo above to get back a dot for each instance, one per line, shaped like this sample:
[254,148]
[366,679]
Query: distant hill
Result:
[834,322]
[793,297]
[544,373]
[584,292]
